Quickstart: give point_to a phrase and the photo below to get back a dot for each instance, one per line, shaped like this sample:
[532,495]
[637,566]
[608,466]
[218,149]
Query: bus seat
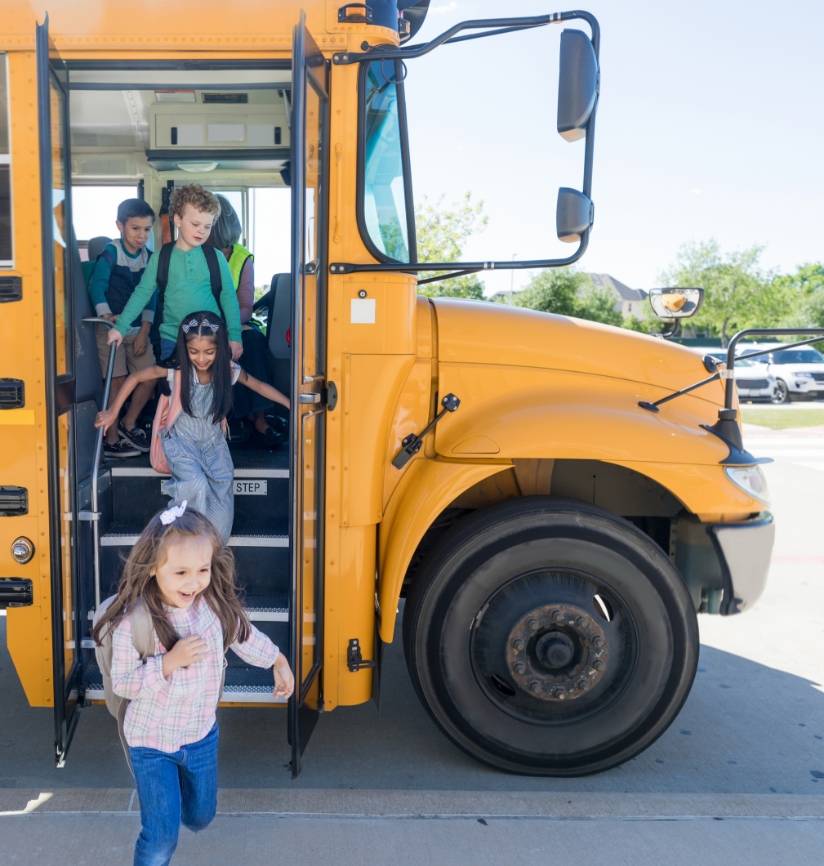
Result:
[280,317]
[95,247]
[88,378]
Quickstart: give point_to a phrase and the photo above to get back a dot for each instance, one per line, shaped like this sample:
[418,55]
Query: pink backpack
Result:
[168,410]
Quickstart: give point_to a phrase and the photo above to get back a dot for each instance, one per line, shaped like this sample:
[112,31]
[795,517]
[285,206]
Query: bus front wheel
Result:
[550,638]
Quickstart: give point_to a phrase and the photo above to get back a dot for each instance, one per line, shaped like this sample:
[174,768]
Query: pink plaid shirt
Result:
[166,714]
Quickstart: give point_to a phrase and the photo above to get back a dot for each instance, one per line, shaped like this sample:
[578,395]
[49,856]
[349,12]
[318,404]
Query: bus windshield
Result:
[384,193]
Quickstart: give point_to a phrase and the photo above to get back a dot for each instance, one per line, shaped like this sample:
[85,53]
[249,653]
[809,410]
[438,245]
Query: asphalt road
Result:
[738,778]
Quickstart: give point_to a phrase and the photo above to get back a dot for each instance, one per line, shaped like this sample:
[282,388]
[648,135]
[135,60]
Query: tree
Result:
[737,292]
[554,291]
[568,292]
[803,294]
[442,230]
[598,305]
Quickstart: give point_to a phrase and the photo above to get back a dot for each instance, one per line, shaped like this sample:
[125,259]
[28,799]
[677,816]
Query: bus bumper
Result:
[744,550]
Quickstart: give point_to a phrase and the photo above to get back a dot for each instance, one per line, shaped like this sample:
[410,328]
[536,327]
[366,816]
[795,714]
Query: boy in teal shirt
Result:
[189,287]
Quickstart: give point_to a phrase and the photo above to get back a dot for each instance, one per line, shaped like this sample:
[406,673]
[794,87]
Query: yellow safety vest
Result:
[237,260]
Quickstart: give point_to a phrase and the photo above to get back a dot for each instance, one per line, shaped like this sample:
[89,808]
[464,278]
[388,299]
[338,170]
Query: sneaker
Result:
[120,449]
[136,437]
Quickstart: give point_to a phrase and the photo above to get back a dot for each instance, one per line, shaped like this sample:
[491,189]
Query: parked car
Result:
[752,378]
[798,373]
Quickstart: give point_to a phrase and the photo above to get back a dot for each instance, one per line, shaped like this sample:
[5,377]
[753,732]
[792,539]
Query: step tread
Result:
[260,608]
[243,459]
[122,537]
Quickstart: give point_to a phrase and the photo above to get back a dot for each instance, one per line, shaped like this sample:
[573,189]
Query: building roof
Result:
[610,284]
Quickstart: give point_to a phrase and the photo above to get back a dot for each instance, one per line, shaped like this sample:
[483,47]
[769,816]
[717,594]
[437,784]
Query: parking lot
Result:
[739,776]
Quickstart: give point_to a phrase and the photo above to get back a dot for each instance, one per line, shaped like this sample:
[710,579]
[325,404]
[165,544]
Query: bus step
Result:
[262,562]
[246,685]
[261,495]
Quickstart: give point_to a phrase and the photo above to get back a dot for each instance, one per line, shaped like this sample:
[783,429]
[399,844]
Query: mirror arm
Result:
[491,26]
[338,268]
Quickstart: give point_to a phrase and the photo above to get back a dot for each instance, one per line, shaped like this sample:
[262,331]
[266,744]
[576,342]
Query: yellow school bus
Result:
[519,497]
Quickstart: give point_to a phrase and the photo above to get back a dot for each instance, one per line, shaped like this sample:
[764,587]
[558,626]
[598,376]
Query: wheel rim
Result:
[552,663]
[781,392]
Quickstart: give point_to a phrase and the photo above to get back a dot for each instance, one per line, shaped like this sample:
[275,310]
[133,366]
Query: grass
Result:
[776,419]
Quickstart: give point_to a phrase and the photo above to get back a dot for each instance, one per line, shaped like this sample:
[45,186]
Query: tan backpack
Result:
[143,638]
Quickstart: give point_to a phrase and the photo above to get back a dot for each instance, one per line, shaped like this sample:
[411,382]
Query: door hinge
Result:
[331,393]
[354,657]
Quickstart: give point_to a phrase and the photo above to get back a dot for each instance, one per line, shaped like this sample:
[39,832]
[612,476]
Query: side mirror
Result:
[577,84]
[675,303]
[573,215]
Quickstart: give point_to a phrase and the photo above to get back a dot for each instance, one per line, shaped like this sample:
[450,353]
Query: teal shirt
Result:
[187,290]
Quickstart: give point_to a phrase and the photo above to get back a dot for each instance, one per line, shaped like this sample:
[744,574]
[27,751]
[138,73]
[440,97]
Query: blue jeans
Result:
[173,787]
[167,348]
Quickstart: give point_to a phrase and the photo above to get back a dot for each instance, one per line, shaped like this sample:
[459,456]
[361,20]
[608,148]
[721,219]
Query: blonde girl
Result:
[185,578]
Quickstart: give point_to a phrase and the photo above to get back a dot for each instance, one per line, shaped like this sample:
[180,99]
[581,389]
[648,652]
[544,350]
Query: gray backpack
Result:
[143,638]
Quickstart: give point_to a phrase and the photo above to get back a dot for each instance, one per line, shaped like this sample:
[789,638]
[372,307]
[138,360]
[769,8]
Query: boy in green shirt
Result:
[189,287]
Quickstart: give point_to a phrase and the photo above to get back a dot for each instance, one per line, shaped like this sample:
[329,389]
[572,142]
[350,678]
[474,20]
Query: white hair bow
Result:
[171,514]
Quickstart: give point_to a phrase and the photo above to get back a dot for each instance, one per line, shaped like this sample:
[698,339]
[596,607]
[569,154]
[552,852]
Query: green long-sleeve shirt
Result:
[188,289]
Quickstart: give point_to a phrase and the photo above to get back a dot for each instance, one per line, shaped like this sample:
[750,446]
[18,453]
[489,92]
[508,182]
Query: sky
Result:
[709,125]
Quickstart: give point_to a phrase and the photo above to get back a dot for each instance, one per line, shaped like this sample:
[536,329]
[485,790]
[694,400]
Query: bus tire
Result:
[549,637]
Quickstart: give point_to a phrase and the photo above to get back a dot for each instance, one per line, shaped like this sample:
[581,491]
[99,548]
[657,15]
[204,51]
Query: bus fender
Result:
[427,488]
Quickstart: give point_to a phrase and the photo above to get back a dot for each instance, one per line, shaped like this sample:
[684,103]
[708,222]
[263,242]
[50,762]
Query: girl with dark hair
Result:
[185,578]
[195,445]
[257,359]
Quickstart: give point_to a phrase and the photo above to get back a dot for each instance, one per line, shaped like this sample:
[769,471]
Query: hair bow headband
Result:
[214,327]
[171,514]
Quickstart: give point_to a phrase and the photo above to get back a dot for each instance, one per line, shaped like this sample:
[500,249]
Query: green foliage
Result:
[804,295]
[737,292]
[442,230]
[568,292]
[554,291]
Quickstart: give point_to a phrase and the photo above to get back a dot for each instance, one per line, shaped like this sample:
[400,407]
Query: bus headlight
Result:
[751,480]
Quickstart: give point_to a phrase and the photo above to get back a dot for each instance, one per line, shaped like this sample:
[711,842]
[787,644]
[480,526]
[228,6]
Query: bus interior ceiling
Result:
[226,129]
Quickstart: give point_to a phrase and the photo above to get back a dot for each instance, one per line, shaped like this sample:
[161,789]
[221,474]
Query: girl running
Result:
[185,578]
[195,446]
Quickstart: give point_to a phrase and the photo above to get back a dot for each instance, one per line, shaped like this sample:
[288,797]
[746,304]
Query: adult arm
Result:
[246,290]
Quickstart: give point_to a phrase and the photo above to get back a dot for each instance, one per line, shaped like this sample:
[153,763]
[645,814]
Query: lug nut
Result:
[531,625]
[534,686]
[520,668]
[517,644]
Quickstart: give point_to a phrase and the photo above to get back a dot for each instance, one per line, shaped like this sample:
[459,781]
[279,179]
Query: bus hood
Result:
[485,333]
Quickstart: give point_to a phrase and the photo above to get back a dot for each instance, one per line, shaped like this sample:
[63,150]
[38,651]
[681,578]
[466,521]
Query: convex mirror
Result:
[675,303]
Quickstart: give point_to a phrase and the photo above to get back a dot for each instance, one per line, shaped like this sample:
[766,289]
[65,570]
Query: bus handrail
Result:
[94,515]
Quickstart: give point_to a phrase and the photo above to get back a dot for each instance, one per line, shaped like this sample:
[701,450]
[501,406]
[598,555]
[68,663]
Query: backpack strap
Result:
[214,273]
[143,640]
[162,278]
[143,634]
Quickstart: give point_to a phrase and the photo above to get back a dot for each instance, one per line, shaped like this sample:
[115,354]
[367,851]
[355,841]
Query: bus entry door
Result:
[309,148]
